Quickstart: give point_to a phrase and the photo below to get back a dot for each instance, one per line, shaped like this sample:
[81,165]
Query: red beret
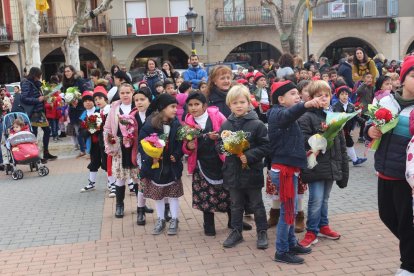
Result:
[407,67]
[100,91]
[280,88]
[87,95]
[258,76]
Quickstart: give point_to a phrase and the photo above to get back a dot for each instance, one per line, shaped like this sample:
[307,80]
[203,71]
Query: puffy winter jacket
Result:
[152,79]
[391,154]
[195,75]
[234,176]
[345,70]
[53,110]
[333,164]
[31,93]
[286,139]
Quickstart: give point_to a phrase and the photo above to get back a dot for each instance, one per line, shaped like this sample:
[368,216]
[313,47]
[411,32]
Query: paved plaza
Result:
[49,228]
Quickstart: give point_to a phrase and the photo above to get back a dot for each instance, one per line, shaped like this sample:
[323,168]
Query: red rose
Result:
[383,114]
[84,125]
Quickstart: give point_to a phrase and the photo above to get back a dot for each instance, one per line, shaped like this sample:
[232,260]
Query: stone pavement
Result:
[49,228]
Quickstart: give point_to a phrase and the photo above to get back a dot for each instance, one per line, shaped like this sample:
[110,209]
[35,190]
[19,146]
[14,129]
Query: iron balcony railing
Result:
[356,9]
[61,25]
[119,26]
[252,16]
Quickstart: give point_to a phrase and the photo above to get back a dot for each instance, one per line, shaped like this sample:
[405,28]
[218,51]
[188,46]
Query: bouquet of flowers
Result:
[235,142]
[49,91]
[127,126]
[72,94]
[335,122]
[92,123]
[153,146]
[384,119]
[358,106]
[188,133]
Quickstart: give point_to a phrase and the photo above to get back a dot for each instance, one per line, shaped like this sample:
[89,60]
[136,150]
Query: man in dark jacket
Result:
[311,61]
[345,70]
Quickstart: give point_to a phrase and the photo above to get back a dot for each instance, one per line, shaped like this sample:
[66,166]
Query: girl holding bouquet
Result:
[161,176]
[332,166]
[120,137]
[395,202]
[204,163]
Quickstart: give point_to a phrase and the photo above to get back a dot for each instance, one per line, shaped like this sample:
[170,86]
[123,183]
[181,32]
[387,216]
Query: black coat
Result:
[168,171]
[218,98]
[76,82]
[339,107]
[31,93]
[233,174]
[76,112]
[333,165]
[345,70]
[17,107]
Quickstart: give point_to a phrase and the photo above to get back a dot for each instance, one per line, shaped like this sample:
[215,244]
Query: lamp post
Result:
[191,17]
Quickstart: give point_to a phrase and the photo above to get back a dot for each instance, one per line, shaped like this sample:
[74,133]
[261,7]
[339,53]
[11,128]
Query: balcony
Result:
[119,27]
[356,9]
[59,26]
[249,17]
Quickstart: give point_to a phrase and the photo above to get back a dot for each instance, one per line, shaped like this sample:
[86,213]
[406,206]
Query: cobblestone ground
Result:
[49,228]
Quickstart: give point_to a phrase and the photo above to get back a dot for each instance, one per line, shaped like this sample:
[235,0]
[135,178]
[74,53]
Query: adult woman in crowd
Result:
[70,79]
[120,77]
[33,100]
[219,84]
[169,72]
[362,65]
[153,75]
[286,64]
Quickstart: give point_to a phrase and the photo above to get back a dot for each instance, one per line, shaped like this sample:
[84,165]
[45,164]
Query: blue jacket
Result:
[168,171]
[194,75]
[286,138]
[31,93]
[153,79]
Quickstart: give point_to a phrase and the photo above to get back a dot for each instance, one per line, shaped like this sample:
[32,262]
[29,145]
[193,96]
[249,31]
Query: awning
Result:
[2,54]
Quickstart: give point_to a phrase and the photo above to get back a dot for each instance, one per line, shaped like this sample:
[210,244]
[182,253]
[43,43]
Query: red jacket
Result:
[53,110]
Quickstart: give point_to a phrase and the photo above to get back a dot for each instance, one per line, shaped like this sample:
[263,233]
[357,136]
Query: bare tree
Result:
[31,30]
[291,38]
[70,45]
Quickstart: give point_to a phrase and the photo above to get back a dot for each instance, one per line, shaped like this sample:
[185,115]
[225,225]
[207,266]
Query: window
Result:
[234,10]
[135,9]
[180,8]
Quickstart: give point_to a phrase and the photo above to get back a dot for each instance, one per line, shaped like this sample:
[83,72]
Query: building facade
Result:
[226,30]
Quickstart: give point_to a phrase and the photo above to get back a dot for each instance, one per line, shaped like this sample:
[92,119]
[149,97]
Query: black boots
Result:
[120,195]
[209,227]
[167,213]
[48,156]
[141,216]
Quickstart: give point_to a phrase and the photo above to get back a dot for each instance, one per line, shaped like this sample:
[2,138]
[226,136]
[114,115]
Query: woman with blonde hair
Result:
[219,84]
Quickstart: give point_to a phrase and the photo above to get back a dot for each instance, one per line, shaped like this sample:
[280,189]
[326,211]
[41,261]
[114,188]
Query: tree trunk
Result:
[31,30]
[70,45]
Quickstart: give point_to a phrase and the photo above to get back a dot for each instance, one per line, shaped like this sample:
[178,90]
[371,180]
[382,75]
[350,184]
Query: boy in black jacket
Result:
[288,157]
[245,183]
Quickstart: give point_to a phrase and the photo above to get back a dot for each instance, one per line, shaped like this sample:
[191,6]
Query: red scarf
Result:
[287,190]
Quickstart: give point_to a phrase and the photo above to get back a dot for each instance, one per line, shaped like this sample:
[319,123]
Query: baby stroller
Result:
[21,147]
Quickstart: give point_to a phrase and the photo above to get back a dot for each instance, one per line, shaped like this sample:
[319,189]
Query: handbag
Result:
[28,109]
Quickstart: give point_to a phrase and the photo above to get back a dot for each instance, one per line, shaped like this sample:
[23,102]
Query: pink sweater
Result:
[181,98]
[111,127]
[217,119]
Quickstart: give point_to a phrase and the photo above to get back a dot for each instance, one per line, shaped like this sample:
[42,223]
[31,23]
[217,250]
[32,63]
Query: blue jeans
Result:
[319,192]
[285,237]
[54,126]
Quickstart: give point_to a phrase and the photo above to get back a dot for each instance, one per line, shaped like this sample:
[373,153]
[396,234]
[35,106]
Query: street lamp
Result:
[191,17]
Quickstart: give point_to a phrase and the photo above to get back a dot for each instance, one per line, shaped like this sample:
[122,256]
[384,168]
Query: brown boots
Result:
[300,222]
[273,217]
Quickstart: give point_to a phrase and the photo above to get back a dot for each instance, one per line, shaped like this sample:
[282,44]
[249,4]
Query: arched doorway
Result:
[253,53]
[410,48]
[337,49]
[55,61]
[8,71]
[159,52]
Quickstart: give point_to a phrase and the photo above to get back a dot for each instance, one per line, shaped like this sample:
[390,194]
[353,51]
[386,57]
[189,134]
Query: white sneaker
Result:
[402,272]
[112,192]
[89,187]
